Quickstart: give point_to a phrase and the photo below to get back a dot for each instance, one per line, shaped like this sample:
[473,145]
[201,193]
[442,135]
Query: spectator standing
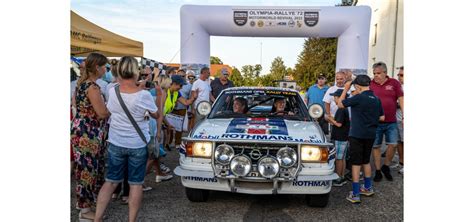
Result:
[389,91]
[205,94]
[161,171]
[366,112]
[88,135]
[190,75]
[125,142]
[330,106]
[181,109]
[221,83]
[340,136]
[400,125]
[316,94]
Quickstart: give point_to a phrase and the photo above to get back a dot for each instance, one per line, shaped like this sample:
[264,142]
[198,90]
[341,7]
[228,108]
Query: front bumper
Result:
[304,184]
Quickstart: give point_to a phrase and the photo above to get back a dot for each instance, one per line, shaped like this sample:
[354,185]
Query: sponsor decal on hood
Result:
[264,129]
[258,126]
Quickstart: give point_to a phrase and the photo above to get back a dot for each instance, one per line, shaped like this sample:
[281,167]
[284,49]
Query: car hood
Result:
[263,129]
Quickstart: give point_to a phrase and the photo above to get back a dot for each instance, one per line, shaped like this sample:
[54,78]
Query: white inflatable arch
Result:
[351,25]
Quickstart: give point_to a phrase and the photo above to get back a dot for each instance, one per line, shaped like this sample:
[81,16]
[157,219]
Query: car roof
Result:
[260,88]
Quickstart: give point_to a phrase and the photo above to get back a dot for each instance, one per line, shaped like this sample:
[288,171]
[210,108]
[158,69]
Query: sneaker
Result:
[378,176]
[339,182]
[163,178]
[353,198]
[394,166]
[164,168]
[401,171]
[367,192]
[386,172]
[146,188]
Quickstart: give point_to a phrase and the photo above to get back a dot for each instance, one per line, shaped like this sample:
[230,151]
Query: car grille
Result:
[257,150]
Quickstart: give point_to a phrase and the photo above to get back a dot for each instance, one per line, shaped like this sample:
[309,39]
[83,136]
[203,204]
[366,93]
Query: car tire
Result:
[197,195]
[317,200]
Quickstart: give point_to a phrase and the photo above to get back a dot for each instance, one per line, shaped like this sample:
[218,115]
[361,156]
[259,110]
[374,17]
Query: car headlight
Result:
[314,154]
[201,149]
[224,154]
[240,165]
[286,157]
[268,167]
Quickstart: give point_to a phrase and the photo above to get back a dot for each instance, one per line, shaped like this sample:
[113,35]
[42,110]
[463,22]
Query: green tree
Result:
[236,77]
[216,60]
[248,75]
[278,69]
[317,58]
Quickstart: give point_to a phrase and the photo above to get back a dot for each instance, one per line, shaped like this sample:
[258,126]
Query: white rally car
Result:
[260,150]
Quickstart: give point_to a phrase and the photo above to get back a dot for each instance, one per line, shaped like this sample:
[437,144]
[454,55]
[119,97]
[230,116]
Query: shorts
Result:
[390,130]
[400,132]
[360,150]
[341,149]
[118,157]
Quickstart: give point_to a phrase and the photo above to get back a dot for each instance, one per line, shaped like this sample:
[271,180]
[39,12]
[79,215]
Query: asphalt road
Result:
[167,202]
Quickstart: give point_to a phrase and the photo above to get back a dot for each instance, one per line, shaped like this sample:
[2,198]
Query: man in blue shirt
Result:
[316,94]
[366,112]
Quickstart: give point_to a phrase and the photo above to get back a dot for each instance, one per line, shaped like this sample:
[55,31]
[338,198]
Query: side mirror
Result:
[315,111]
[204,108]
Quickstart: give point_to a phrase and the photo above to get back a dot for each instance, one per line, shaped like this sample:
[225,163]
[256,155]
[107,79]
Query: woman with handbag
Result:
[129,135]
[88,135]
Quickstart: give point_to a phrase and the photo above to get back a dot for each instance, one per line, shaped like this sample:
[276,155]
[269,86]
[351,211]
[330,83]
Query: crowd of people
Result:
[360,114]
[120,131]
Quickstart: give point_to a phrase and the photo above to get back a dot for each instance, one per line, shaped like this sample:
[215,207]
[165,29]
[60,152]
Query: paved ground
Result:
[167,202]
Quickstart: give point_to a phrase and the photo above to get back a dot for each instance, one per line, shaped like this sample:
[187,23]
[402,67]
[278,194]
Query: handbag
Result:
[124,107]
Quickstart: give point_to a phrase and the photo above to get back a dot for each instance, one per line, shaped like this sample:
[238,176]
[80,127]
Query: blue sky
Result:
[156,24]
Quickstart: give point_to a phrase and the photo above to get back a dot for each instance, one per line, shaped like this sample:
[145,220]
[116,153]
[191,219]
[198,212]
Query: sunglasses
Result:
[401,75]
[191,78]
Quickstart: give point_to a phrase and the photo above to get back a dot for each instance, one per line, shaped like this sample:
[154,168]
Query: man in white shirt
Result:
[203,90]
[329,103]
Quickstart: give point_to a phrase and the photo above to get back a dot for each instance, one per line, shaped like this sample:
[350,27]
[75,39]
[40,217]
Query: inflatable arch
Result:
[351,25]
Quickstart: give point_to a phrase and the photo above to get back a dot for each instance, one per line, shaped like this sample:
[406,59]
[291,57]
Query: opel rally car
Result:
[263,149]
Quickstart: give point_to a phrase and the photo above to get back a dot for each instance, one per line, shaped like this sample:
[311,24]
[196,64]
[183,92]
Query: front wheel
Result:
[196,195]
[317,200]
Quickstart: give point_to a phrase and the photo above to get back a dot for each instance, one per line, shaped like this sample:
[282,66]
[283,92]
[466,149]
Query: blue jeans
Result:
[390,130]
[119,156]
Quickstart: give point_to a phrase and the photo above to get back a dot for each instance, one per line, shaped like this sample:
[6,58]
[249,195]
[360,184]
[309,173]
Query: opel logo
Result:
[255,154]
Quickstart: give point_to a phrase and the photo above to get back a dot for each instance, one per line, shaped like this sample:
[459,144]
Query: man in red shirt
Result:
[389,91]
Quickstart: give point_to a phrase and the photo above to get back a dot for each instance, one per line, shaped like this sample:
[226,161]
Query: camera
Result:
[149,84]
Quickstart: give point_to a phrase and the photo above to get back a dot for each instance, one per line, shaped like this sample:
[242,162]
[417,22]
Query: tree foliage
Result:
[278,69]
[216,60]
[236,77]
[318,57]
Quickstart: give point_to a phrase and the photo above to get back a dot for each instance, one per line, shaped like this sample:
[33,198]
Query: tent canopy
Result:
[87,37]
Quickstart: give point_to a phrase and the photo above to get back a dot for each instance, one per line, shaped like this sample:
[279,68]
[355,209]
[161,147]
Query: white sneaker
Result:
[163,178]
[164,168]
[401,171]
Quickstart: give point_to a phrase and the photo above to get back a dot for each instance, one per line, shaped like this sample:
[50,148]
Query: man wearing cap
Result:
[316,94]
[389,91]
[366,112]
[221,83]
[181,109]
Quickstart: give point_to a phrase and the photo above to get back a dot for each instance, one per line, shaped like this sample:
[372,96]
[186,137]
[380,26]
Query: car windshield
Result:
[260,103]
